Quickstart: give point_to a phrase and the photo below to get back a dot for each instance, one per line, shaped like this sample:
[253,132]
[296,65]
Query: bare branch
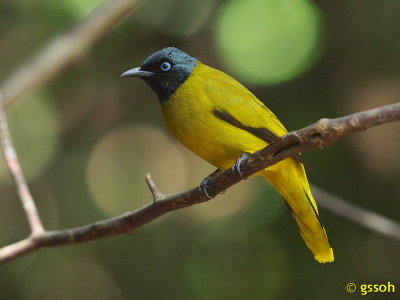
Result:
[316,136]
[17,175]
[65,49]
[319,135]
[362,216]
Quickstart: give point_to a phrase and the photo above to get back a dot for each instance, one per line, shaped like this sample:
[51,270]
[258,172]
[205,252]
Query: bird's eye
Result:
[165,66]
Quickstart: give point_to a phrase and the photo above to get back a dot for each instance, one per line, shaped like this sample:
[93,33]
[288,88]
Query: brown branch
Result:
[319,135]
[316,136]
[17,175]
[65,49]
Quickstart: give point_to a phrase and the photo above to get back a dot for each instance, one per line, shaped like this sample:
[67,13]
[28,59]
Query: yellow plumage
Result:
[189,115]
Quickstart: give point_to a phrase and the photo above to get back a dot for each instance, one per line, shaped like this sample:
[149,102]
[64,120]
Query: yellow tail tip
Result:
[324,257]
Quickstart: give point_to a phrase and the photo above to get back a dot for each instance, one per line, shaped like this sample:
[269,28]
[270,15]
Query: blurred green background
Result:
[87,139]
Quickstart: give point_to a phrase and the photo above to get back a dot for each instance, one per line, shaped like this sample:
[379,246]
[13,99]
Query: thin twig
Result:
[316,136]
[362,216]
[18,249]
[66,49]
[155,192]
[17,175]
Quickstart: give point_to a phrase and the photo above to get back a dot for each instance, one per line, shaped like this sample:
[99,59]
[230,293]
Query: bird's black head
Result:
[164,71]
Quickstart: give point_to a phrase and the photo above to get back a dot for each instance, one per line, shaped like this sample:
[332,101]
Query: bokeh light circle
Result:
[268,41]
[82,278]
[120,160]
[35,130]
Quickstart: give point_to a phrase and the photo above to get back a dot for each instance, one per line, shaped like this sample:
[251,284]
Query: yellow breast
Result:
[189,116]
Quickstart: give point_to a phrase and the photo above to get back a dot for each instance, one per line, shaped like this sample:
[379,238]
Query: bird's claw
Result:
[203,188]
[204,184]
[239,162]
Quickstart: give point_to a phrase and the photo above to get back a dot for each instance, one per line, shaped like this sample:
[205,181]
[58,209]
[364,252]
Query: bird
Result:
[220,120]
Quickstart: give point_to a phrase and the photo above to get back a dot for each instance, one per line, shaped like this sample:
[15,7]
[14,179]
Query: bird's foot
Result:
[239,162]
[203,187]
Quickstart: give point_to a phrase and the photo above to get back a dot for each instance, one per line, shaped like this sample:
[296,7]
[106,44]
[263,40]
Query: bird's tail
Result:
[289,179]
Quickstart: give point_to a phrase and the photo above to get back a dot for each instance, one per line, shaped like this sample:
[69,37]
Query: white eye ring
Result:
[165,66]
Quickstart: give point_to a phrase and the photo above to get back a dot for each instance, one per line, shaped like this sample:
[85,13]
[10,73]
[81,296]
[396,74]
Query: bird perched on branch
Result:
[217,118]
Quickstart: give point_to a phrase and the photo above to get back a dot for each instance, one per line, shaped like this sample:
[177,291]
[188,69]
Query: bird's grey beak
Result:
[136,72]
